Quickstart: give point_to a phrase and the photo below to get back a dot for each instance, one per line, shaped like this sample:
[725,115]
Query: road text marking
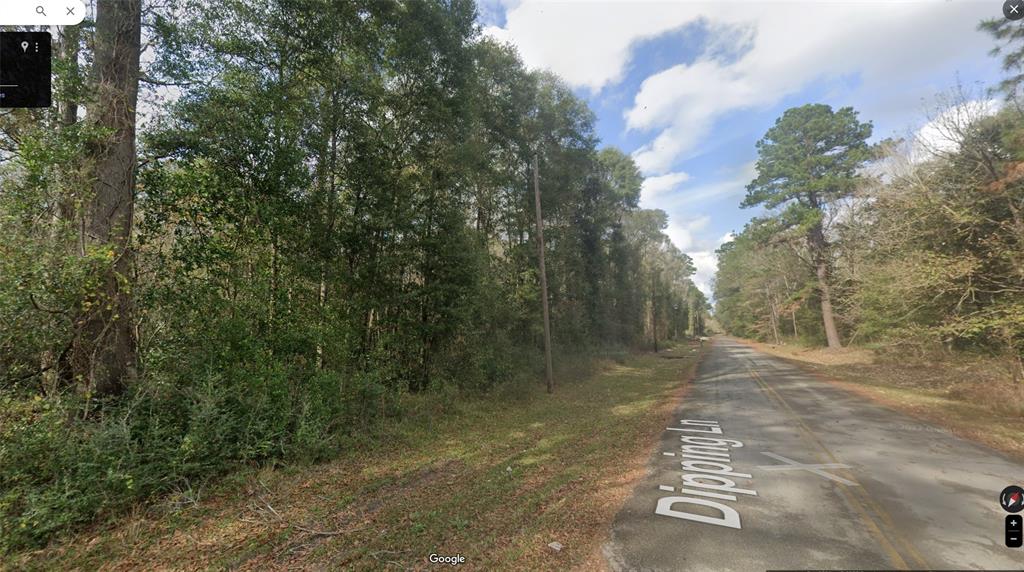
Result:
[707,474]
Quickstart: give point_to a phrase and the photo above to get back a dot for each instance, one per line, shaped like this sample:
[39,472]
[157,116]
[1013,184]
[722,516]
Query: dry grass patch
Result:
[974,397]
[493,480]
[820,356]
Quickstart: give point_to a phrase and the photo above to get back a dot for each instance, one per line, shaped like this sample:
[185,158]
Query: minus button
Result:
[1014,529]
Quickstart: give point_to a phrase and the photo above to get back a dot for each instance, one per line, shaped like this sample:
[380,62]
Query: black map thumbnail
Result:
[25,69]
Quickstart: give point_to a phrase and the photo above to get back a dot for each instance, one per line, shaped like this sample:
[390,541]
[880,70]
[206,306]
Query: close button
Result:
[1013,9]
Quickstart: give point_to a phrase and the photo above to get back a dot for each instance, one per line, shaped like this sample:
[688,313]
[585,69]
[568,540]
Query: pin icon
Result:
[24,46]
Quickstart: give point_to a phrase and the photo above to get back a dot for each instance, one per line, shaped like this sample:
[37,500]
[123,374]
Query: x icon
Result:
[71,11]
[1012,9]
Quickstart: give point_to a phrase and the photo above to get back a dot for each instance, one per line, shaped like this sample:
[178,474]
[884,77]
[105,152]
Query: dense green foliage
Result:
[923,249]
[925,253]
[807,162]
[1009,36]
[334,209]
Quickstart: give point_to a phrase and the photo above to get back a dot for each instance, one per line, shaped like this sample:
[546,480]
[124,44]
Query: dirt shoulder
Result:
[973,397]
[495,481]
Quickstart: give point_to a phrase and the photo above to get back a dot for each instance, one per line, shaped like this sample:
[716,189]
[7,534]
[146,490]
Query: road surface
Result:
[766,467]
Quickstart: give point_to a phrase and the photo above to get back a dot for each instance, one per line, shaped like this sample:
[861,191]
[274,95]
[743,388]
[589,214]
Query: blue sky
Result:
[687,88]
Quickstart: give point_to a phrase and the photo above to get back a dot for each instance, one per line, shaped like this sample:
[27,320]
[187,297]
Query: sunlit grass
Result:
[628,409]
[492,480]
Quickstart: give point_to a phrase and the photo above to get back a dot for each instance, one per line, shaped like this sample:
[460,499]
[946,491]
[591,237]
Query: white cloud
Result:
[795,45]
[685,236]
[689,233]
[791,44]
[756,54]
[706,264]
[687,197]
[586,43]
[682,233]
[943,134]
[654,187]
[683,102]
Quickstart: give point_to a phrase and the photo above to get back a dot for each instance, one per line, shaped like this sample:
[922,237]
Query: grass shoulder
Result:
[971,396]
[495,479]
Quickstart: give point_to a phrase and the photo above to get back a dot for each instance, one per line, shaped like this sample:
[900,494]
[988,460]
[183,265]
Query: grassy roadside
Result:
[971,396]
[496,480]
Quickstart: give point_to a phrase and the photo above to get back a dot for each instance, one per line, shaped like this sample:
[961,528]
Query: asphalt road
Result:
[890,492]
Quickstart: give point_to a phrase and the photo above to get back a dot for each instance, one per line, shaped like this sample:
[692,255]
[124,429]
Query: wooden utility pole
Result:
[543,279]
[654,307]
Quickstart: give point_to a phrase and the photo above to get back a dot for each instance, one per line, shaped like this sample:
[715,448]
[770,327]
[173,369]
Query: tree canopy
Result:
[928,254]
[332,210]
[807,162]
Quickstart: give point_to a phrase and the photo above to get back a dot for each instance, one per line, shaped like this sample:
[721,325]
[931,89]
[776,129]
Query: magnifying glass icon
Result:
[40,10]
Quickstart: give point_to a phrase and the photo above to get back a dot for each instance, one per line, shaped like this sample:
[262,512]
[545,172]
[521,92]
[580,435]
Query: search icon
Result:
[45,12]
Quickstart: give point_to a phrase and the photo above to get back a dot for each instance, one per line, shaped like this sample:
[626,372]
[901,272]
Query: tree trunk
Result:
[772,315]
[331,189]
[104,351]
[792,307]
[816,238]
[70,37]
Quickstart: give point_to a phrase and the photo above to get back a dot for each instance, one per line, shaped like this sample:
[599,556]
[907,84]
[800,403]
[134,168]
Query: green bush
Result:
[60,467]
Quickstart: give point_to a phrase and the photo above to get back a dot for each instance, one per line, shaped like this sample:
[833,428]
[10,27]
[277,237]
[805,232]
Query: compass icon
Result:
[1012,499]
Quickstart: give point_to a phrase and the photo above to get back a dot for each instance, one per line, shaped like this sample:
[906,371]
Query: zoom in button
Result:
[1014,530]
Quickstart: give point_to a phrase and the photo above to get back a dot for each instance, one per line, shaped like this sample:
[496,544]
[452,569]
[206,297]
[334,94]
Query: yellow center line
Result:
[847,492]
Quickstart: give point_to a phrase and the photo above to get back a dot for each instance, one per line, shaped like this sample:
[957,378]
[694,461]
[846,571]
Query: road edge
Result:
[601,560]
[917,413]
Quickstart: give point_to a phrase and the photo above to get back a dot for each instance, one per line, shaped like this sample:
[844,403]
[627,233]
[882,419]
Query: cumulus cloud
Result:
[788,45]
[586,43]
[492,12]
[943,134]
[706,264]
[685,236]
[709,265]
[755,55]
[689,234]
[682,233]
[654,187]
[685,197]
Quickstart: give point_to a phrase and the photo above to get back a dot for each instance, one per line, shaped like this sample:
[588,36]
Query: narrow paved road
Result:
[766,467]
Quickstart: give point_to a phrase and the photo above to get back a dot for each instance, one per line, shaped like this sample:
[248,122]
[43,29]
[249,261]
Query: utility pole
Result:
[654,306]
[543,278]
